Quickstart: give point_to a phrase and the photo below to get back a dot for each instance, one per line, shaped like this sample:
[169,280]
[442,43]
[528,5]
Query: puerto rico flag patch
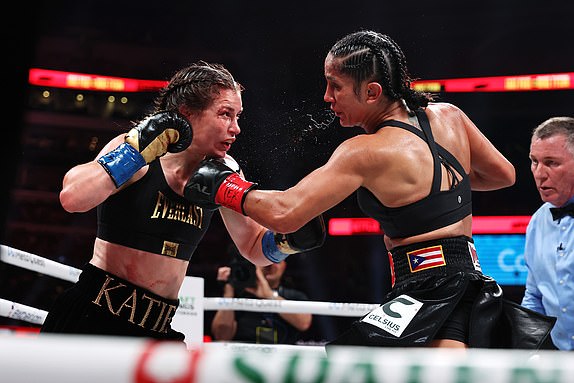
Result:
[426,258]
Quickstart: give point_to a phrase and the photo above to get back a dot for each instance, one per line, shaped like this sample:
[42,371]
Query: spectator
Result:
[259,327]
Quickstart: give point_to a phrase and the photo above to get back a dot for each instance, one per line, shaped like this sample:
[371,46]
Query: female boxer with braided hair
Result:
[147,230]
[413,171]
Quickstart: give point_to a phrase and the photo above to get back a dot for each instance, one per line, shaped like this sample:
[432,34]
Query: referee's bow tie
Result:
[559,212]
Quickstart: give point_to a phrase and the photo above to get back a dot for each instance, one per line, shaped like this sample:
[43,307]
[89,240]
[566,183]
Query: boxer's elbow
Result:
[70,201]
[67,202]
[493,180]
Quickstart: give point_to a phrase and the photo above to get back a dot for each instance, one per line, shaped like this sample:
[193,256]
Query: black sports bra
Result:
[148,215]
[439,208]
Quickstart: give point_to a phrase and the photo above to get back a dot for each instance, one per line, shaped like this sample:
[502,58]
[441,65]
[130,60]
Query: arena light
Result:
[353,226]
[520,83]
[512,224]
[71,80]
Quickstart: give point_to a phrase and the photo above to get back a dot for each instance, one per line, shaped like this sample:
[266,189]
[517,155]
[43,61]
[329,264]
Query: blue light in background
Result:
[501,256]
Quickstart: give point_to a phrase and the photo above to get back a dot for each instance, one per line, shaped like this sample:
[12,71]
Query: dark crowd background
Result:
[276,50]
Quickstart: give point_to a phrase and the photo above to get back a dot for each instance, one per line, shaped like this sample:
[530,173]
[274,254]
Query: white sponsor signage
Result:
[395,315]
[188,318]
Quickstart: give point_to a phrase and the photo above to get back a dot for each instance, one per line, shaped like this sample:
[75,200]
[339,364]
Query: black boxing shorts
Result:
[103,304]
[439,292]
[409,318]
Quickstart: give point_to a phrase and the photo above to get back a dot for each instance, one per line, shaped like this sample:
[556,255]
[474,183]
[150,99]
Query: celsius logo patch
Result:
[395,315]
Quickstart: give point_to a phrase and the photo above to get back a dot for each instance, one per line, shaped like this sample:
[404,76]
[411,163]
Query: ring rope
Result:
[288,306]
[34,262]
[139,360]
[37,359]
[13,310]
[45,266]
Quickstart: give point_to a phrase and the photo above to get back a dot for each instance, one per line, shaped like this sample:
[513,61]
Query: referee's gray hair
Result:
[554,126]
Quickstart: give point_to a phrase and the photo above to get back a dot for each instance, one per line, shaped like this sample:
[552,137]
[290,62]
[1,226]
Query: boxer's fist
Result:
[276,247]
[217,183]
[151,138]
[310,236]
[160,133]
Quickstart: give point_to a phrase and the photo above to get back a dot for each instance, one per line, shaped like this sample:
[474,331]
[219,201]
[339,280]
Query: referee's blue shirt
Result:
[549,256]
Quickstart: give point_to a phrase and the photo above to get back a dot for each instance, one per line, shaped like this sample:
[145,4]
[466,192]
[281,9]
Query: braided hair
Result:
[195,87]
[371,56]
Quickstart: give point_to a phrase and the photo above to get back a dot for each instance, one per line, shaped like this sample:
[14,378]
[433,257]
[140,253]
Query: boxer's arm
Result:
[490,170]
[263,247]
[121,161]
[87,185]
[325,187]
[215,185]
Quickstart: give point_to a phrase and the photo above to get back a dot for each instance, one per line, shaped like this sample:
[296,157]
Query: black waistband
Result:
[437,257]
[127,301]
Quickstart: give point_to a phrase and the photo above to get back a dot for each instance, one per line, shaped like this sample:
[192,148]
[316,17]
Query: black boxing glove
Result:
[276,247]
[217,183]
[150,139]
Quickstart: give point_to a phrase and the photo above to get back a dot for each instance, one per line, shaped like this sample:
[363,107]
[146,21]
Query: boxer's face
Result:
[216,128]
[552,166]
[341,95]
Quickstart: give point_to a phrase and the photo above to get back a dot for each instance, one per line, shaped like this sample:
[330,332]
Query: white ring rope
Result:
[287,306]
[34,262]
[65,358]
[21,312]
[91,359]
[45,266]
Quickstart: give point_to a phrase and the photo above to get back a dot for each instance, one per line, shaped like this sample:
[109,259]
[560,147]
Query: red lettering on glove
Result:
[232,191]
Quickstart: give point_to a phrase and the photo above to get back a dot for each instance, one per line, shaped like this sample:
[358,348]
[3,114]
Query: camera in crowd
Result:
[242,273]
